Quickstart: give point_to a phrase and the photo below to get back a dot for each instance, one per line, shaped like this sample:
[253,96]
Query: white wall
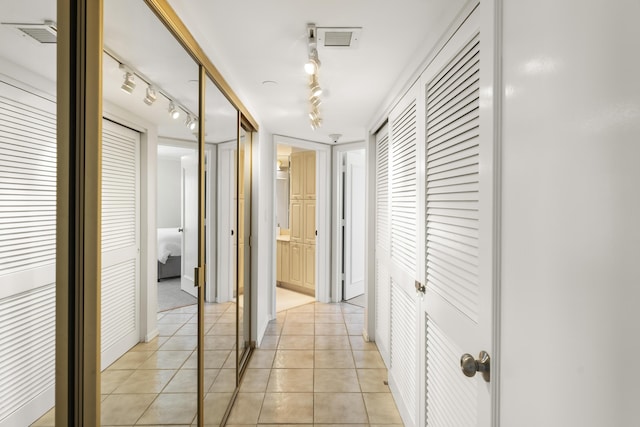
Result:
[168,192]
[571,209]
[263,221]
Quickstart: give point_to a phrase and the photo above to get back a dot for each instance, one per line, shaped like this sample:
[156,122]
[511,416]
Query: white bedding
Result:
[169,243]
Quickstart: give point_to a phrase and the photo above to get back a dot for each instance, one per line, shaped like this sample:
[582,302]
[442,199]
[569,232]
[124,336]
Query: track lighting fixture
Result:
[314,86]
[153,92]
[174,112]
[190,123]
[151,96]
[316,123]
[129,83]
[311,67]
[315,101]
[313,64]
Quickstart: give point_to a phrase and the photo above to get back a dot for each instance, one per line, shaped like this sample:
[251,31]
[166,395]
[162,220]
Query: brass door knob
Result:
[470,365]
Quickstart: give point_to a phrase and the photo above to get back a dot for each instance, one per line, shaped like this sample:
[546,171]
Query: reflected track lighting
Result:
[313,64]
[190,122]
[311,67]
[314,86]
[129,83]
[174,112]
[151,96]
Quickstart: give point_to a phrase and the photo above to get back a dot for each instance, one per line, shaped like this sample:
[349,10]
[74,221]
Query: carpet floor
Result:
[170,295]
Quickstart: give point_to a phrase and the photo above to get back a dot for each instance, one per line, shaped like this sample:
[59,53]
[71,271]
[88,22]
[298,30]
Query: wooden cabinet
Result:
[309,278]
[283,261]
[296,265]
[296,170]
[296,220]
[302,224]
[309,222]
[309,172]
[302,168]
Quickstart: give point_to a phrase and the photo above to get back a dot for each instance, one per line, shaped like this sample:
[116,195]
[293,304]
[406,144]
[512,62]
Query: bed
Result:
[169,253]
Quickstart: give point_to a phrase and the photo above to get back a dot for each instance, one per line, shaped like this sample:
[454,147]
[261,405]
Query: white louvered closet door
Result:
[404,134]
[120,240]
[383,246]
[27,254]
[454,308]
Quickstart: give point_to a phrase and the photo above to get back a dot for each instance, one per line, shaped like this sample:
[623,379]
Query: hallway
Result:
[313,368]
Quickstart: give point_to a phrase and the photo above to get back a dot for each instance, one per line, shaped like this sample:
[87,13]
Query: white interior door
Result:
[28,248]
[457,310]
[354,250]
[226,221]
[120,241]
[189,186]
[405,262]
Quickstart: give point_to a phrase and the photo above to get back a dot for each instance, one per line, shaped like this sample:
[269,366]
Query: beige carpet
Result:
[286,299]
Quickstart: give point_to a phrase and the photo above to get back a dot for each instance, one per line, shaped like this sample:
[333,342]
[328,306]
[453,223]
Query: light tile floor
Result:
[313,367]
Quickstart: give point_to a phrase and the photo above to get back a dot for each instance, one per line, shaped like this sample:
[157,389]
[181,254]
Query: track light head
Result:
[174,112]
[129,83]
[315,101]
[190,123]
[315,88]
[313,64]
[151,96]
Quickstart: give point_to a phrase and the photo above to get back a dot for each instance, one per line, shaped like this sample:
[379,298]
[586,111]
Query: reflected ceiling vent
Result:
[339,37]
[45,33]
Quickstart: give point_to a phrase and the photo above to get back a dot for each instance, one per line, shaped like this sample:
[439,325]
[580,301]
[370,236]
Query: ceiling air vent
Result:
[45,33]
[339,37]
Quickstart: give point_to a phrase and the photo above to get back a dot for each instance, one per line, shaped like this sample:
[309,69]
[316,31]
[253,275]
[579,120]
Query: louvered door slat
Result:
[446,387]
[403,345]
[456,306]
[456,159]
[120,240]
[404,187]
[383,243]
[465,60]
[29,153]
[26,319]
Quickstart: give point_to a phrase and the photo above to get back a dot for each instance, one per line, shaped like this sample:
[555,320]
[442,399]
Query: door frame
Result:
[338,154]
[323,291]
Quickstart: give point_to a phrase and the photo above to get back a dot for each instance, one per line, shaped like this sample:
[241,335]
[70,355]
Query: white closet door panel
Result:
[27,343]
[27,254]
[403,186]
[404,345]
[452,303]
[27,181]
[119,295]
[447,389]
[383,247]
[457,157]
[120,240]
[383,310]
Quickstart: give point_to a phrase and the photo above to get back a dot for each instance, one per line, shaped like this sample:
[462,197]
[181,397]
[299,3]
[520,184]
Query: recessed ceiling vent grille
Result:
[45,33]
[339,37]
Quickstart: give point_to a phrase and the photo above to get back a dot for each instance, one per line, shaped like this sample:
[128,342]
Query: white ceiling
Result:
[251,41]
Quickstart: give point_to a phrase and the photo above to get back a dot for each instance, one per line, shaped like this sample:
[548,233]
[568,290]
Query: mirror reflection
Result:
[220,302]
[149,221]
[28,211]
